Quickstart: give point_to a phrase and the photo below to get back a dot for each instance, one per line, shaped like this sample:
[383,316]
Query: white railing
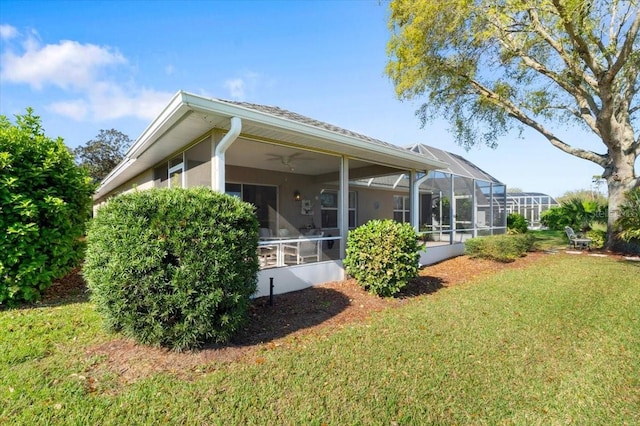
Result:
[287,251]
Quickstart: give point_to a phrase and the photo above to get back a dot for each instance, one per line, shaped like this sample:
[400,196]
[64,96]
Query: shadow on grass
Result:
[290,312]
[420,286]
[64,291]
[307,308]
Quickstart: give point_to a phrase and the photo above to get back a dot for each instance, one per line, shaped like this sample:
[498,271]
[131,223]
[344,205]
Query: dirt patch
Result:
[318,310]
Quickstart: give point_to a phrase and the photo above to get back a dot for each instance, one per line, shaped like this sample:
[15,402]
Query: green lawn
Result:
[555,343]
[551,240]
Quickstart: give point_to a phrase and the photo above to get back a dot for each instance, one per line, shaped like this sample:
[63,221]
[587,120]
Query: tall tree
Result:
[102,154]
[490,65]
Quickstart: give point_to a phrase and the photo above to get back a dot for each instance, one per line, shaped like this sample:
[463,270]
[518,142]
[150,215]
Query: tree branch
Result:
[519,115]
[626,50]
[555,45]
[588,107]
[580,44]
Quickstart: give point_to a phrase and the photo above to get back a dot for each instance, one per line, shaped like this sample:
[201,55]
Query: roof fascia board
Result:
[206,106]
[174,112]
[167,117]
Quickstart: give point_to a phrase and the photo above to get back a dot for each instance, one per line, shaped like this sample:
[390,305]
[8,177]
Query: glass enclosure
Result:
[530,205]
[476,206]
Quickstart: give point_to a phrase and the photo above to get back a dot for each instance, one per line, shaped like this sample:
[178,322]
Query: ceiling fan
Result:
[288,160]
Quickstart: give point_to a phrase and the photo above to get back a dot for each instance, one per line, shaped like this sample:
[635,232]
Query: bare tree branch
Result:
[518,114]
[626,50]
[588,107]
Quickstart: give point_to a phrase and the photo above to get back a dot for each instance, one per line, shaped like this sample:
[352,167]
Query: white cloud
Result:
[240,87]
[111,101]
[7,32]
[75,109]
[68,64]
[81,71]
[108,101]
[235,87]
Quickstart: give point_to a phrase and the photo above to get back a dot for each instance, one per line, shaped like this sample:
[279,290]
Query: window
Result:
[352,209]
[401,211]
[176,172]
[161,176]
[329,209]
[264,197]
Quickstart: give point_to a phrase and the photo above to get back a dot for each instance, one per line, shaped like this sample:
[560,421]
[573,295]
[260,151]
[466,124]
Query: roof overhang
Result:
[188,117]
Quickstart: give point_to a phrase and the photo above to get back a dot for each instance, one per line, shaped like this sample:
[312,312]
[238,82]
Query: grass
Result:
[554,343]
[550,240]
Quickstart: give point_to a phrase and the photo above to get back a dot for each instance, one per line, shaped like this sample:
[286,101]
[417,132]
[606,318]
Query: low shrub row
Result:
[598,238]
[503,248]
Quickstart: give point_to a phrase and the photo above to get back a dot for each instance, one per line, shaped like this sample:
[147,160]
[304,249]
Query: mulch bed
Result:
[316,311]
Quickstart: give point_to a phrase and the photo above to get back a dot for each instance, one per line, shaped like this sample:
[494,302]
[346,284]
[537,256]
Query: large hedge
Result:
[173,267]
[45,201]
[382,255]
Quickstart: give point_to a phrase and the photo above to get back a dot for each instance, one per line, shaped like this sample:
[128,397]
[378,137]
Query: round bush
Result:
[45,202]
[173,267]
[382,255]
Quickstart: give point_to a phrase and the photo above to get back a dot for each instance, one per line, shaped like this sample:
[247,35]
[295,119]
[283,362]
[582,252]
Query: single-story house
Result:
[310,182]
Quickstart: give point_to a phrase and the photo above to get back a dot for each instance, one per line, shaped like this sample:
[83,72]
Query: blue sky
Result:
[90,65]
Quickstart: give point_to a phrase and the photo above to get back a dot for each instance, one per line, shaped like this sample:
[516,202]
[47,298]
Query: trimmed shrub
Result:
[45,202]
[516,223]
[382,255]
[503,248]
[173,267]
[629,221]
[555,218]
[598,238]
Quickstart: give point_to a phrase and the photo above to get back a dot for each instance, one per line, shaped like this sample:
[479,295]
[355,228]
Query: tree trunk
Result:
[620,179]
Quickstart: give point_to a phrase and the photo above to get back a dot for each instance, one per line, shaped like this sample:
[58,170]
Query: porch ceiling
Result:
[188,118]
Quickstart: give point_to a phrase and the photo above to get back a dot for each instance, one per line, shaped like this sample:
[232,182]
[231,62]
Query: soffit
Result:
[189,118]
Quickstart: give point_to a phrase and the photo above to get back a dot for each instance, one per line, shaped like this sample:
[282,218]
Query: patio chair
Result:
[576,241]
[267,255]
[303,251]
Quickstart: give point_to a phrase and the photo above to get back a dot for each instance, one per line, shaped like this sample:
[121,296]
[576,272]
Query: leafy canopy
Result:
[483,62]
[102,154]
[490,65]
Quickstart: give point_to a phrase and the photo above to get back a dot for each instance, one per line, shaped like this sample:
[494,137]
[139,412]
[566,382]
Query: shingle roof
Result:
[283,113]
